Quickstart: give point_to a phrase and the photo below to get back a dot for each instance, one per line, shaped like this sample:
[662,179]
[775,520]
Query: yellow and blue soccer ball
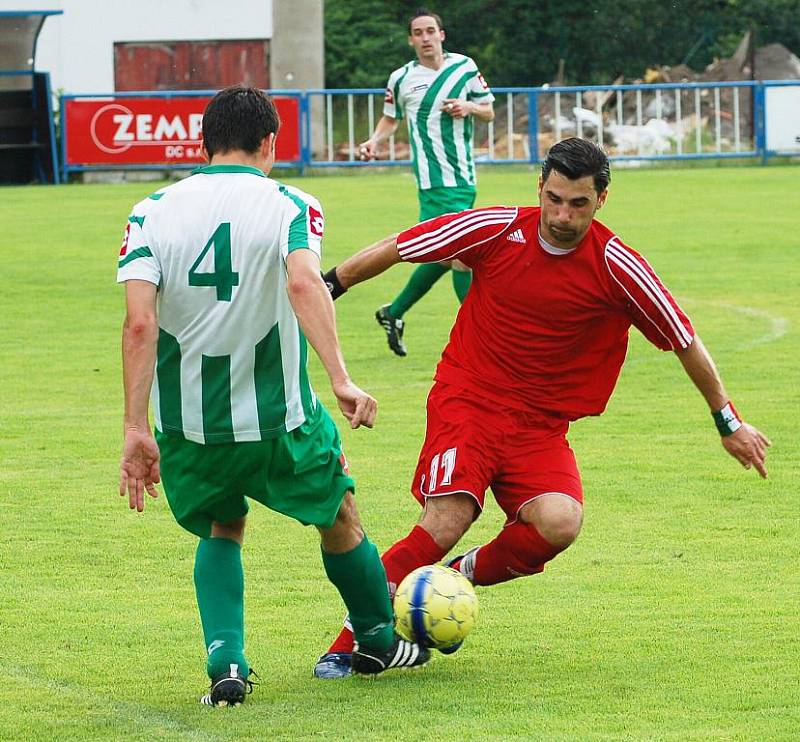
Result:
[435,606]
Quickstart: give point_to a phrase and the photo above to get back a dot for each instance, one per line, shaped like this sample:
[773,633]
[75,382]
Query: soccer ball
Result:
[435,606]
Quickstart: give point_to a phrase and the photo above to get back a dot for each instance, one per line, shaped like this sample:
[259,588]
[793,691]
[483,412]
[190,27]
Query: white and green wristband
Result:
[727,420]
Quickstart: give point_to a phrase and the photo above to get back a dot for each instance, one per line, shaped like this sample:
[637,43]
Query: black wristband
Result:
[727,420]
[332,282]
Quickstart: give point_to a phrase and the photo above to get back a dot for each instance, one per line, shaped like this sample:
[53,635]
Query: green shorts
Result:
[302,474]
[437,201]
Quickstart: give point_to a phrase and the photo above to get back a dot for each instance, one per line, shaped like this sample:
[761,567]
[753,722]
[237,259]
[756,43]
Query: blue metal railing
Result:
[665,121]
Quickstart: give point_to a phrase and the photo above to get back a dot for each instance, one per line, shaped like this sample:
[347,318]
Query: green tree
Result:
[517,42]
[363,43]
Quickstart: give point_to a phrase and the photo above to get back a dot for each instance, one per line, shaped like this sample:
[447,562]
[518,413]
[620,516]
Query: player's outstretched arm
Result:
[369,262]
[314,309]
[139,463]
[744,442]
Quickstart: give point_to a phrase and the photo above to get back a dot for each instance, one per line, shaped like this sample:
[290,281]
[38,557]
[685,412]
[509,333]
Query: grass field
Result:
[675,616]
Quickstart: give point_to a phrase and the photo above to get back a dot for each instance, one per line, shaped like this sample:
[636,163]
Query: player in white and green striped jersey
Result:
[438,94]
[222,288]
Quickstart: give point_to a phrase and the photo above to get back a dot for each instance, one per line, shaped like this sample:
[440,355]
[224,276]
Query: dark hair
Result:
[576,158]
[419,12]
[238,118]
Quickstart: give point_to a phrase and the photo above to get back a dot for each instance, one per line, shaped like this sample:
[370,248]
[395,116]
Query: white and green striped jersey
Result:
[231,356]
[441,146]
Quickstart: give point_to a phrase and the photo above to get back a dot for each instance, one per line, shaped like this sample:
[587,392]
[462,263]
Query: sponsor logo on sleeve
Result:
[125,237]
[482,81]
[389,97]
[315,222]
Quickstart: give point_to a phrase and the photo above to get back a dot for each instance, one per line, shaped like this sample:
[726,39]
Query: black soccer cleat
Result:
[229,689]
[393,329]
[401,655]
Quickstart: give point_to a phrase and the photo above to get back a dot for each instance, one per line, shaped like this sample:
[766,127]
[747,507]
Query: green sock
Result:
[219,583]
[361,581]
[462,280]
[418,285]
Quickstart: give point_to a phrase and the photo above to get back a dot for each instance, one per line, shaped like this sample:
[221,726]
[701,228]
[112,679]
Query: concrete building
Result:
[102,46]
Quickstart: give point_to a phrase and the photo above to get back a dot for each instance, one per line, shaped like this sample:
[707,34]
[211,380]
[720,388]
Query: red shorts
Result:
[472,444]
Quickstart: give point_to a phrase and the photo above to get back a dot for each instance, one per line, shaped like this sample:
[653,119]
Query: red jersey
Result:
[544,329]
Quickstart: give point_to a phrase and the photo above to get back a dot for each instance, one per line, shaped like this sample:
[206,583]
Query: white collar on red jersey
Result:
[552,249]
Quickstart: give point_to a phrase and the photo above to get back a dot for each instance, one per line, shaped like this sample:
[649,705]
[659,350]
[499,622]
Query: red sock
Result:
[518,550]
[415,550]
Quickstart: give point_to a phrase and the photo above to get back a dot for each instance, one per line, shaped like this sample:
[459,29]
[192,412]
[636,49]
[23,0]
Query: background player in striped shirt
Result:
[222,288]
[539,342]
[438,93]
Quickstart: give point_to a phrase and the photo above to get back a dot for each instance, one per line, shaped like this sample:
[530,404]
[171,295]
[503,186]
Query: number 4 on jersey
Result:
[223,277]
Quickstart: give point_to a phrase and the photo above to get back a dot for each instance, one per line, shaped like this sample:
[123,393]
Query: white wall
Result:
[77,48]
[783,124]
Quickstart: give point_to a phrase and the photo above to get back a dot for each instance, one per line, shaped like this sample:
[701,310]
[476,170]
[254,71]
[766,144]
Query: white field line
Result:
[778,326]
[128,714]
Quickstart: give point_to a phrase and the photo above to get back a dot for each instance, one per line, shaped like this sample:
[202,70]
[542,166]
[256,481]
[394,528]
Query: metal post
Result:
[698,121]
[51,128]
[350,129]
[557,110]
[678,120]
[639,120]
[717,120]
[510,109]
[760,119]
[305,132]
[62,112]
[533,126]
[598,110]
[329,124]
[737,138]
[578,119]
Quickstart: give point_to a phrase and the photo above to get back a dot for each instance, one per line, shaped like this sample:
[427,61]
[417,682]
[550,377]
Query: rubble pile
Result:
[660,127]
[666,121]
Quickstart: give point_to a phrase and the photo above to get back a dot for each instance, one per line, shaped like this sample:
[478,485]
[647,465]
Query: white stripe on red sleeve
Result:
[642,274]
[447,221]
[640,282]
[446,236]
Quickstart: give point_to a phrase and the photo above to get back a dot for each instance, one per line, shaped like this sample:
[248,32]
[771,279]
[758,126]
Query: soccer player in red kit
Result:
[539,342]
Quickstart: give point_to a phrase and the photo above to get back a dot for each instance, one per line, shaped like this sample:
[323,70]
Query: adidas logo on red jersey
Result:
[516,236]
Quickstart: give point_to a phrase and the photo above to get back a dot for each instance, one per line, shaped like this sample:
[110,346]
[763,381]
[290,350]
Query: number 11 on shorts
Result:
[447,462]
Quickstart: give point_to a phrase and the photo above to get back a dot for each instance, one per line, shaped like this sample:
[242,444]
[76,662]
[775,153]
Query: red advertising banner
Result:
[154,130]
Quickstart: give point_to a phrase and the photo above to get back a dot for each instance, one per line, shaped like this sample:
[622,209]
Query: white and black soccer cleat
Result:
[229,689]
[464,563]
[401,655]
[394,330]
